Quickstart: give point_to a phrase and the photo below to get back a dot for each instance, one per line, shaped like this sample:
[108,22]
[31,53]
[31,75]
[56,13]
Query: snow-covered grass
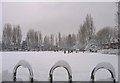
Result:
[81,65]
[109,51]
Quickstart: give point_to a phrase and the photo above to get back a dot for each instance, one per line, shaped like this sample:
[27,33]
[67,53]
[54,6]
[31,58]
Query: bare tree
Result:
[86,31]
[30,39]
[114,35]
[46,41]
[40,38]
[52,39]
[74,39]
[7,37]
[105,35]
[56,41]
[19,35]
[59,39]
[64,41]
[81,35]
[36,40]
[69,41]
[118,20]
[16,37]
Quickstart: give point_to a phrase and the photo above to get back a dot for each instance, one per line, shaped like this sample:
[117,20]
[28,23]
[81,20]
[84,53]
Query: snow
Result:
[81,65]
[109,51]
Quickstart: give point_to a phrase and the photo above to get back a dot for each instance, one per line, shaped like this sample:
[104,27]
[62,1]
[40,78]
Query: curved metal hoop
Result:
[63,64]
[103,65]
[25,65]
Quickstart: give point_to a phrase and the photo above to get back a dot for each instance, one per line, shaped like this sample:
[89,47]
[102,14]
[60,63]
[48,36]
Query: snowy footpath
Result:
[81,65]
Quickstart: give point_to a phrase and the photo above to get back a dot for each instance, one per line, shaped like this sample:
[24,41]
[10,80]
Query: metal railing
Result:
[65,65]
[103,65]
[25,65]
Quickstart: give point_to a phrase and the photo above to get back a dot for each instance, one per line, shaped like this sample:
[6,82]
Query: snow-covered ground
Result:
[109,51]
[81,65]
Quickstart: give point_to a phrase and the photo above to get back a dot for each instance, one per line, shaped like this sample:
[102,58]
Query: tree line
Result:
[35,41]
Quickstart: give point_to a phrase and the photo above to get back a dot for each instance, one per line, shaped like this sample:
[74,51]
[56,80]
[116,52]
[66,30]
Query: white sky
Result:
[54,17]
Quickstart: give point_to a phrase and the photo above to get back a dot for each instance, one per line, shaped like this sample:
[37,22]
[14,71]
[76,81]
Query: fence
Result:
[64,64]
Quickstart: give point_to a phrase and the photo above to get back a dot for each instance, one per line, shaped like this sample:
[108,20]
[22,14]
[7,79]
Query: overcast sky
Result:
[54,17]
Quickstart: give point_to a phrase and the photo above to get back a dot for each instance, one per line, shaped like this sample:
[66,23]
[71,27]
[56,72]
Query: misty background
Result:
[54,17]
